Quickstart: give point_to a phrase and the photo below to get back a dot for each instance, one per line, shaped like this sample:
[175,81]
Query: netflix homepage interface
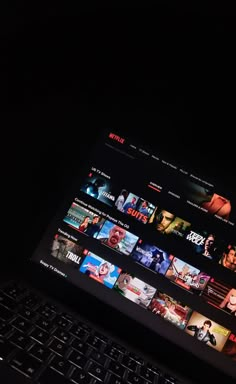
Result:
[155,234]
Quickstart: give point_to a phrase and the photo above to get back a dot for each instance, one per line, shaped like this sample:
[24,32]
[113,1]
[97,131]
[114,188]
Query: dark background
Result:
[161,71]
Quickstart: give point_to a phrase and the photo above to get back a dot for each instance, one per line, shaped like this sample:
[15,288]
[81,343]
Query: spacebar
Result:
[49,376]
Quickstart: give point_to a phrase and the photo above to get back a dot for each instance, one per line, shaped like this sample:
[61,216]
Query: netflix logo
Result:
[120,140]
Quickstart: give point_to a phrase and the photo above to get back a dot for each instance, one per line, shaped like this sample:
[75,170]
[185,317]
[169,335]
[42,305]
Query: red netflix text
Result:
[116,138]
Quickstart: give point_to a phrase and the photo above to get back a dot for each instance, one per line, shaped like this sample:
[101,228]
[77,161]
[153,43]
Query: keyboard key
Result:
[79,377]
[5,349]
[46,312]
[117,368]
[147,374]
[112,352]
[101,337]
[60,365]
[39,335]
[21,324]
[129,363]
[44,324]
[132,378]
[170,380]
[14,291]
[20,339]
[97,371]
[153,368]
[115,380]
[119,347]
[98,357]
[77,359]
[62,322]
[86,327]
[40,352]
[27,313]
[25,363]
[79,346]
[67,316]
[50,376]
[5,328]
[5,314]
[95,342]
[137,358]
[31,301]
[51,307]
[78,331]
[58,347]
[62,335]
[7,302]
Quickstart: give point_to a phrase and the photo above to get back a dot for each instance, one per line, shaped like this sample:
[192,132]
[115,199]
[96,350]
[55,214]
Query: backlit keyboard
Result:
[50,346]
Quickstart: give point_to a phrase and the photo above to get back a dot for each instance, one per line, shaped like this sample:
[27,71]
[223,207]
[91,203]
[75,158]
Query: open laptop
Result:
[133,281]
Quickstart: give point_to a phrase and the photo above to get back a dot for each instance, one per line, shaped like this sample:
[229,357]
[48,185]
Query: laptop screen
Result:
[155,240]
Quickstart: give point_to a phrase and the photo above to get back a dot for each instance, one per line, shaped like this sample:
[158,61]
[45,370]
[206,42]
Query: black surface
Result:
[160,71]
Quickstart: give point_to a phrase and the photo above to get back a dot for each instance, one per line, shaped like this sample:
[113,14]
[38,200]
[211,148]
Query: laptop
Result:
[133,280]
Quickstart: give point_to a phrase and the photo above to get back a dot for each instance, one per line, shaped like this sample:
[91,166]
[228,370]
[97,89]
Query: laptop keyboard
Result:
[49,346]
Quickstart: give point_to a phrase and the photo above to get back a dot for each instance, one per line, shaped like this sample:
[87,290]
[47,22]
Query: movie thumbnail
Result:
[117,238]
[206,244]
[230,347]
[67,251]
[187,276]
[208,200]
[166,222]
[170,309]
[134,289]
[84,220]
[228,258]
[220,295]
[178,227]
[152,257]
[120,201]
[98,185]
[207,331]
[135,206]
[161,219]
[100,270]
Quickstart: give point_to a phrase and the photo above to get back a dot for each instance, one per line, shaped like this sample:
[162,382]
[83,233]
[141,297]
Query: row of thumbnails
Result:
[213,291]
[95,224]
[100,186]
[151,299]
